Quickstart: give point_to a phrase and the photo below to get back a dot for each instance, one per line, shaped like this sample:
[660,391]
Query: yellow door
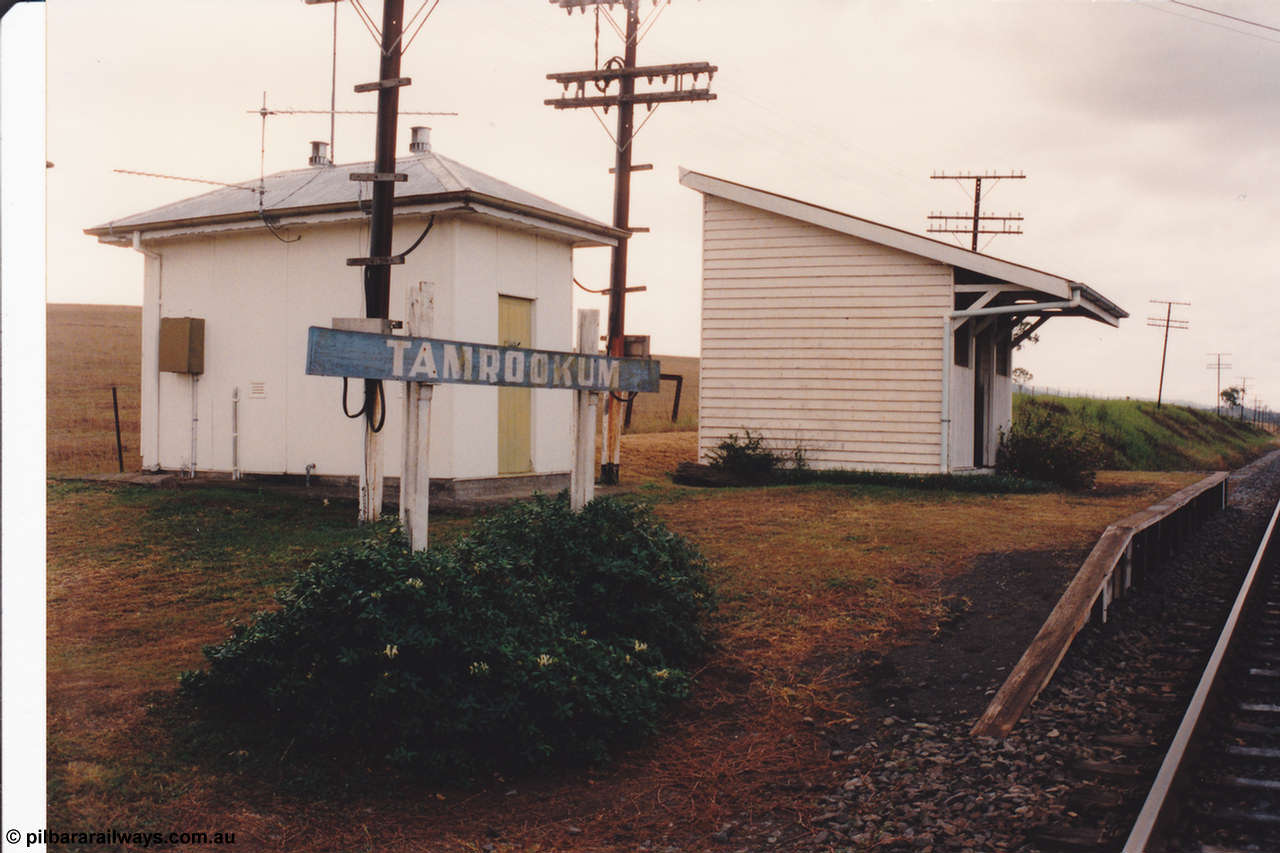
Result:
[515,405]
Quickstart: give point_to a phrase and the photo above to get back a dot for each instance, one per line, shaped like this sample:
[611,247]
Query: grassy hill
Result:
[1140,437]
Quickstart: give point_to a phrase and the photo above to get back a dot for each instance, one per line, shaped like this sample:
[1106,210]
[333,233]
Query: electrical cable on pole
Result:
[623,71]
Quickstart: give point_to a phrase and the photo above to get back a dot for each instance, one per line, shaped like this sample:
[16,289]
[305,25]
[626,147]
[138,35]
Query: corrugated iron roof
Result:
[329,188]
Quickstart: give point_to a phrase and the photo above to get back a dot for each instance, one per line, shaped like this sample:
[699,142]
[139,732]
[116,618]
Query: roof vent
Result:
[319,154]
[421,143]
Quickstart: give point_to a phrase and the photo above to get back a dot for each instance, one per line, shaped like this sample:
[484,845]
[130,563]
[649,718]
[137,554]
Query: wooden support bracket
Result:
[375,262]
[384,84]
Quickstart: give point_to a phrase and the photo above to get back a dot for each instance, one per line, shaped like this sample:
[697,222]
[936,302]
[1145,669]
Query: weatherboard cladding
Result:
[820,340]
[329,187]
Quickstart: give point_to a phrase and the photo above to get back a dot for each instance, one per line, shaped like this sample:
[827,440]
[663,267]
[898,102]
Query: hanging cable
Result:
[589,290]
[421,237]
[379,395]
[275,232]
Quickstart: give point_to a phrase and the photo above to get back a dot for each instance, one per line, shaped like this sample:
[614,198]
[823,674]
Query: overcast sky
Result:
[1147,131]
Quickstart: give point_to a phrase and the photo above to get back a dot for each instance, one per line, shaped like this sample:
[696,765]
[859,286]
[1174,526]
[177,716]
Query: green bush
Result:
[1045,443]
[747,457]
[542,635]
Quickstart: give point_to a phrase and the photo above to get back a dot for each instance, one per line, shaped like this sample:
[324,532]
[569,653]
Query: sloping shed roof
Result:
[435,184]
[1090,303]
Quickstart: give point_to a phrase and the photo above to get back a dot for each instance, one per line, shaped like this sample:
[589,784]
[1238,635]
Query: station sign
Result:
[366,355]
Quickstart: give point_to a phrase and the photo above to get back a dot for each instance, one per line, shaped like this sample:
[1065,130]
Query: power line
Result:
[1205,23]
[1225,15]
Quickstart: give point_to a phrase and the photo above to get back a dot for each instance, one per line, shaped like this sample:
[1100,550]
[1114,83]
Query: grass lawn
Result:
[810,576]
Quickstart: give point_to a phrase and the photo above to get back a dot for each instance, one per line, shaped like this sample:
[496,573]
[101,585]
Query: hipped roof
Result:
[435,184]
[1092,303]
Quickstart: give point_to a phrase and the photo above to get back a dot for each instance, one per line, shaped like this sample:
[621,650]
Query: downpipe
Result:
[195,422]
[235,433]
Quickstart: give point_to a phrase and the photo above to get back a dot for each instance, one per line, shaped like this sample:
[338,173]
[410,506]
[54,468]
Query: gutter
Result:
[607,234]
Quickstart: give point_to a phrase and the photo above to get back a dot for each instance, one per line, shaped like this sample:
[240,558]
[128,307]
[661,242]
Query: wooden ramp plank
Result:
[1041,659]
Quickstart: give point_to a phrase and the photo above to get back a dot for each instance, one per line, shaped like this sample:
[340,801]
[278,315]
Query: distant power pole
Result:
[683,78]
[1244,392]
[1218,365]
[1166,322]
[977,219]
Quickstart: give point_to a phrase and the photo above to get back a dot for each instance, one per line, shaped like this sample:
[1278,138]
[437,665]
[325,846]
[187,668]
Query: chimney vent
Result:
[421,143]
[319,154]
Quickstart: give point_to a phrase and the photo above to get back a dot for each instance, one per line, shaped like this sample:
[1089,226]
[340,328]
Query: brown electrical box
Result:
[182,344]
[635,346]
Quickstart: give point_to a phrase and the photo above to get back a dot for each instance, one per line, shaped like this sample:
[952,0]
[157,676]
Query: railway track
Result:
[1218,787]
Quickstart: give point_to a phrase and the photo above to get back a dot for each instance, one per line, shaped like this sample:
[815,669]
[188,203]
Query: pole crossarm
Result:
[648,72]
[636,98]
[978,176]
[584,5]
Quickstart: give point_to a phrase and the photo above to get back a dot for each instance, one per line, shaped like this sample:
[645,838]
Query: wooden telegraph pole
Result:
[1166,322]
[624,72]
[377,266]
[977,220]
[1217,365]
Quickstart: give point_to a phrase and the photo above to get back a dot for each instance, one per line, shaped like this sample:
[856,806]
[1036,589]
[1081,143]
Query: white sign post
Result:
[582,481]
[415,474]
[371,474]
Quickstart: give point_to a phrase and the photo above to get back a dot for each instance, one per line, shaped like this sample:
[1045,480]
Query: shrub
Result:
[1045,443]
[541,635]
[747,457]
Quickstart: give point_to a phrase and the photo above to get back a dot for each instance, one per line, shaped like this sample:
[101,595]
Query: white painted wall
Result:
[819,339]
[259,296]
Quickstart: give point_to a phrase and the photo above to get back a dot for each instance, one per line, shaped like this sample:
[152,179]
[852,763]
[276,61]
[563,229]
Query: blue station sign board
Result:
[365,355]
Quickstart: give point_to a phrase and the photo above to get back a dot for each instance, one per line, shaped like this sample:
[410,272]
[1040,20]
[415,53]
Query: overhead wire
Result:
[1196,20]
[652,19]
[363,14]
[1225,15]
[420,24]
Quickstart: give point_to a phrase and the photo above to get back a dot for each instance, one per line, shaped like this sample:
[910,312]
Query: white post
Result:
[582,480]
[371,475]
[415,475]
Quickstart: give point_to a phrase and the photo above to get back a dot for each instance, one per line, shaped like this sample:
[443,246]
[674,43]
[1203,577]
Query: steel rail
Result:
[1157,809]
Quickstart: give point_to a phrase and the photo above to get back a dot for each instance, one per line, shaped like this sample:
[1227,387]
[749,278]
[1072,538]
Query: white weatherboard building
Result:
[867,347]
[501,260]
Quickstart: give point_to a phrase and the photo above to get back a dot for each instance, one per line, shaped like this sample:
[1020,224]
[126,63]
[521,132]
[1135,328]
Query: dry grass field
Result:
[810,579]
[106,341]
